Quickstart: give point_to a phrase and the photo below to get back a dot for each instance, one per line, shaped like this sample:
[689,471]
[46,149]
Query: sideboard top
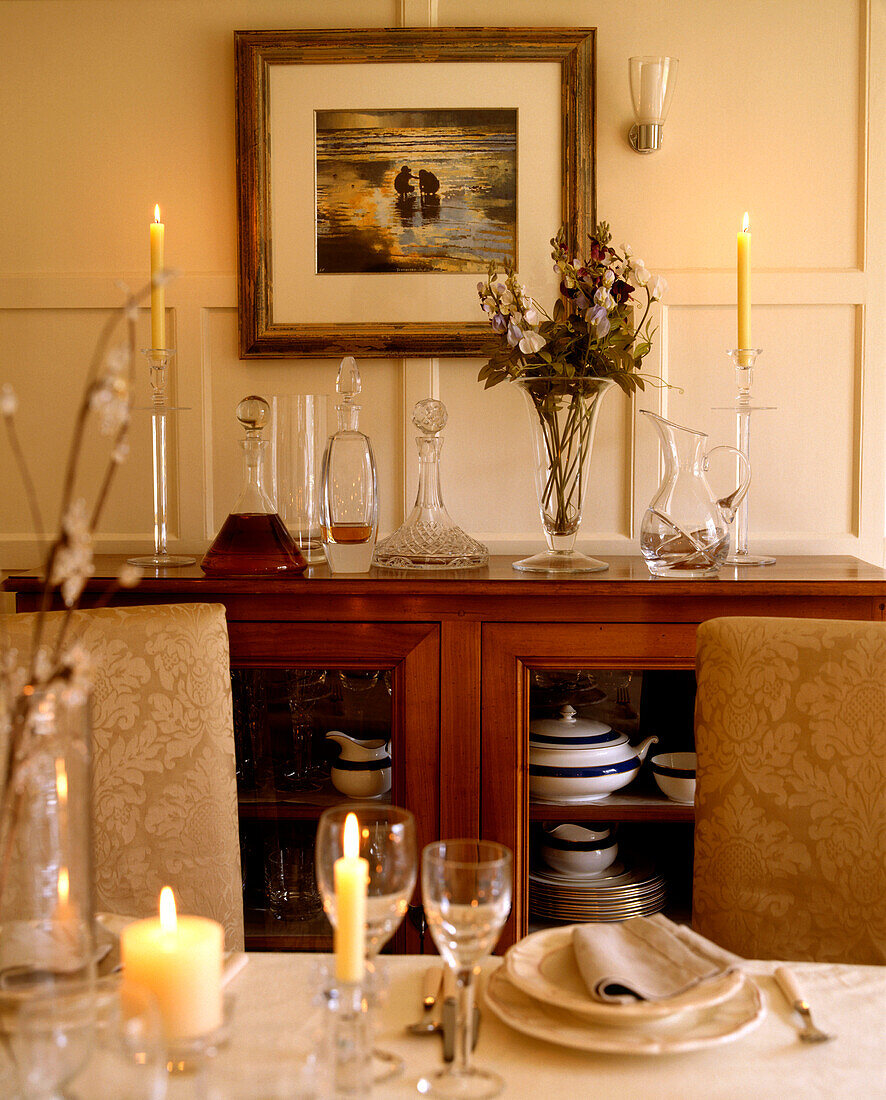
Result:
[629,575]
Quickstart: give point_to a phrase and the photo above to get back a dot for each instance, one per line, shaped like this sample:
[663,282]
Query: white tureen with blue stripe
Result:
[573,759]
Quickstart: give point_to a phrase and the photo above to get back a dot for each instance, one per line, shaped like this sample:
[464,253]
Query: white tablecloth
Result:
[273,1010]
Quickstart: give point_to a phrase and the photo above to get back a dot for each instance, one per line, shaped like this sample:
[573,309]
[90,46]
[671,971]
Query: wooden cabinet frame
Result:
[510,652]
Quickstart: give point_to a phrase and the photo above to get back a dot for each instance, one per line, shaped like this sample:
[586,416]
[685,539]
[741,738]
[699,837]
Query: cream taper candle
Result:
[350,875]
[180,959]
[158,293]
[744,285]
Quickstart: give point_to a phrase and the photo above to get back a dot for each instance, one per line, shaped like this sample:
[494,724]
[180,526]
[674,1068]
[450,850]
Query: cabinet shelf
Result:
[614,807]
[269,804]
[265,933]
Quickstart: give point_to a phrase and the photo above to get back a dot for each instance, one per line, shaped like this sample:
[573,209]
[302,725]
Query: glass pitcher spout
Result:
[685,531]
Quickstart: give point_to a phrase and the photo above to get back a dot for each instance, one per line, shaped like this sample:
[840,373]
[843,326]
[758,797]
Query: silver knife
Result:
[450,1016]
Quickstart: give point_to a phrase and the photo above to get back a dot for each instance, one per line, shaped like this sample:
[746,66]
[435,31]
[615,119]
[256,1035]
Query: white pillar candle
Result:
[180,960]
[158,293]
[351,875]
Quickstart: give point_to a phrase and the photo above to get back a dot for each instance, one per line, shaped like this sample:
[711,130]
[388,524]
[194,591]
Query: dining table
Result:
[276,1013]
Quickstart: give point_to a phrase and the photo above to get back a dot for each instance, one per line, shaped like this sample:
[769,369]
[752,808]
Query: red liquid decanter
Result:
[253,540]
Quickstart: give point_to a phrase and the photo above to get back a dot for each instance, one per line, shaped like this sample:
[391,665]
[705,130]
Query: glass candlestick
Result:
[159,359]
[743,360]
[348,1040]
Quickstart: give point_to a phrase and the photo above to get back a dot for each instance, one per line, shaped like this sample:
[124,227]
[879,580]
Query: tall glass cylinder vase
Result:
[46,882]
[563,421]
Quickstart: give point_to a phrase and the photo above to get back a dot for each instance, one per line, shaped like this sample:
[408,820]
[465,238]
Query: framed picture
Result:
[381,172]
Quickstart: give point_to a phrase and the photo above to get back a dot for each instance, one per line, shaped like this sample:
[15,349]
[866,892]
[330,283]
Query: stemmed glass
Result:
[387,843]
[466,891]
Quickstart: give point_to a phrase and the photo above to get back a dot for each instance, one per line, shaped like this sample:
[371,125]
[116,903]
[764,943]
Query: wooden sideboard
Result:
[462,648]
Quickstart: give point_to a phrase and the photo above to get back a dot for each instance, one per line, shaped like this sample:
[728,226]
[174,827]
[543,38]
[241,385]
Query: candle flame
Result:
[352,837]
[157,213]
[61,780]
[168,920]
[64,886]
[745,223]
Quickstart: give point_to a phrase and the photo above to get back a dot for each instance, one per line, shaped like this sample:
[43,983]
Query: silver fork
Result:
[788,984]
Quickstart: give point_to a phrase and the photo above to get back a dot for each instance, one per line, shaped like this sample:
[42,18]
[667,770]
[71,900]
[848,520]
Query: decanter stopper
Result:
[430,416]
[429,539]
[253,413]
[348,383]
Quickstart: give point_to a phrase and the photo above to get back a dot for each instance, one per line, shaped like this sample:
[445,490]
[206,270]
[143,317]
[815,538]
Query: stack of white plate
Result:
[539,991]
[613,894]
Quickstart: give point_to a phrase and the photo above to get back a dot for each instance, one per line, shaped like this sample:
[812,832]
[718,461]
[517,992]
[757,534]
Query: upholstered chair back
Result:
[790,831]
[164,785]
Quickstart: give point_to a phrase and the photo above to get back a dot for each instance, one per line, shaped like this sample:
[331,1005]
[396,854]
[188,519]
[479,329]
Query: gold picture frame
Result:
[284,77]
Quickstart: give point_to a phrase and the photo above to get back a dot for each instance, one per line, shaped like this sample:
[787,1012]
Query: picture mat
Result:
[296,92]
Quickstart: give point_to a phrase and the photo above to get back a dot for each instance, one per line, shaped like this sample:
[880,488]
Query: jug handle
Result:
[728,505]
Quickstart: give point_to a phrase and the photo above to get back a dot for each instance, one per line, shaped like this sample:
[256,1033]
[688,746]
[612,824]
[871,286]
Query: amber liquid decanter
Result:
[253,540]
[429,539]
[348,489]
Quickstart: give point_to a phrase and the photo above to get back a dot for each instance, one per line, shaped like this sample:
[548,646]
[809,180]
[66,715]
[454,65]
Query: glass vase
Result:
[563,420]
[46,881]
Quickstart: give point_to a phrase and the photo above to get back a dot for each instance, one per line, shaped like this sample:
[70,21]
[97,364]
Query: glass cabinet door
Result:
[325,714]
[568,714]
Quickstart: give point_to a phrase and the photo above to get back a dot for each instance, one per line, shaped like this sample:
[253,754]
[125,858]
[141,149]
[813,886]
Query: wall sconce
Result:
[652,88]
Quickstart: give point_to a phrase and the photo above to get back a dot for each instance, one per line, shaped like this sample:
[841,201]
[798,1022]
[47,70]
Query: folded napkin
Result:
[645,959]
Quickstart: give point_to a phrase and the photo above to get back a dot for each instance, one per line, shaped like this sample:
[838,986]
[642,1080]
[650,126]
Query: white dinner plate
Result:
[721,1023]
[543,966]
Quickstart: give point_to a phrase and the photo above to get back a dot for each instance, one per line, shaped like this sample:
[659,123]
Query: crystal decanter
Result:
[429,539]
[348,490]
[253,539]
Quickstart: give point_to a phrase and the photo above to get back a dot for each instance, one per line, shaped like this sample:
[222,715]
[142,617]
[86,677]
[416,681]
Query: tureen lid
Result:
[572,731]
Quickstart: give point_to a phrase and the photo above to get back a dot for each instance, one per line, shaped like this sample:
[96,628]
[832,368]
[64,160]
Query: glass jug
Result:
[685,531]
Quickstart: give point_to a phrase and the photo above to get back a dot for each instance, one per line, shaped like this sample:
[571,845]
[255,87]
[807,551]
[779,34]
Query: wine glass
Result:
[466,891]
[387,843]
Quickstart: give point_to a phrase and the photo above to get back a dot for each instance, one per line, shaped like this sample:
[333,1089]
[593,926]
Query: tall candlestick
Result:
[744,285]
[158,293]
[350,876]
[180,960]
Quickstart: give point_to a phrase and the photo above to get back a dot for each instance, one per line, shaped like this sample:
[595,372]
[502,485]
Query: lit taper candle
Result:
[351,875]
[158,293]
[744,285]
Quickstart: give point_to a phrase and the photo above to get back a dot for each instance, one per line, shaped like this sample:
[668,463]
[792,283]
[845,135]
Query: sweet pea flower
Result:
[515,334]
[641,274]
[658,287]
[532,342]
[599,319]
[531,314]
[499,324]
[608,277]
[603,298]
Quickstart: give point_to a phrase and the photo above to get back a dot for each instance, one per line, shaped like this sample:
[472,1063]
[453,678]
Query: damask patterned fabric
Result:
[790,831]
[164,785]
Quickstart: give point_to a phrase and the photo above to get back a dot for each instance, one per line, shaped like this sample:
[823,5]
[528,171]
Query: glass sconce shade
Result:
[652,88]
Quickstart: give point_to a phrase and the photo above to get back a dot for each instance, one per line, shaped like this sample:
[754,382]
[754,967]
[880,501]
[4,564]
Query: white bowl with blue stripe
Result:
[577,850]
[675,775]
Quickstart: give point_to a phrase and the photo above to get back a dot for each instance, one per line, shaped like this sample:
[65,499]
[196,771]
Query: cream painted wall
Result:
[108,106]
